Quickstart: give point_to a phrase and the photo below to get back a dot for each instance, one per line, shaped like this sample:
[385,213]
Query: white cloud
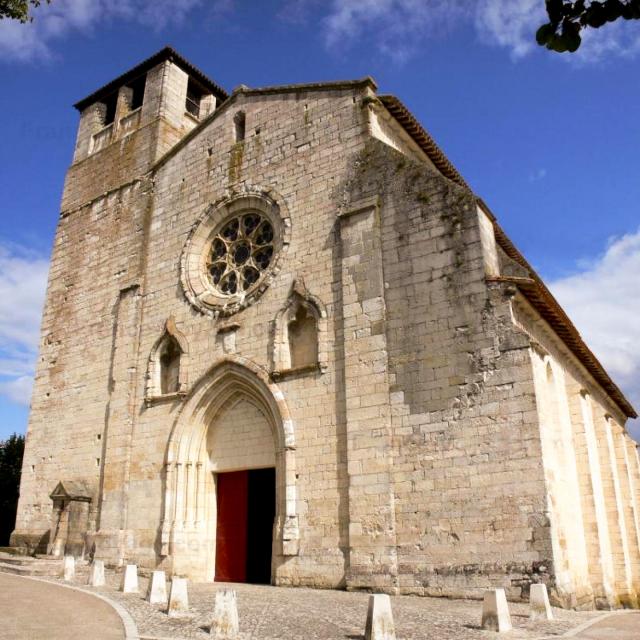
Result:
[620,39]
[603,301]
[399,27]
[510,23]
[23,280]
[52,22]
[537,175]
[18,390]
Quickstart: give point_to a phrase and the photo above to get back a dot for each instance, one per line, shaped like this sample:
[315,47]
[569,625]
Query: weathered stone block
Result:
[157,593]
[379,624]
[539,603]
[225,625]
[178,598]
[130,579]
[96,574]
[69,567]
[495,611]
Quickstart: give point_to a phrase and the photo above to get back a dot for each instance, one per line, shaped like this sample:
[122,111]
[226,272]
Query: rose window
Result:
[240,253]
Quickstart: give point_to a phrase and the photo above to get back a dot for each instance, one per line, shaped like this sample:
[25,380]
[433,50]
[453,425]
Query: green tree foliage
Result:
[18,9]
[11,451]
[567,19]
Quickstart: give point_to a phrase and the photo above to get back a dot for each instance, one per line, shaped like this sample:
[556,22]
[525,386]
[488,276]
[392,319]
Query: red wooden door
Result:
[231,533]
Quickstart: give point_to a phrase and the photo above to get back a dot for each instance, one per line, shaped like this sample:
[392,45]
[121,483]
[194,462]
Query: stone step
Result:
[29,560]
[47,569]
[14,551]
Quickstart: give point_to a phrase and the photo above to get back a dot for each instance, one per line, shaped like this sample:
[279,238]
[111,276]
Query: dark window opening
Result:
[170,367]
[195,94]
[110,109]
[137,92]
[239,122]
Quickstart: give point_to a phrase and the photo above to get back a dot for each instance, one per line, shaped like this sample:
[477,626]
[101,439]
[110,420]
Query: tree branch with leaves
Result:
[19,9]
[567,19]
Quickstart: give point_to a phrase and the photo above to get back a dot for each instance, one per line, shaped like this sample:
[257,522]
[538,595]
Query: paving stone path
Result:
[35,610]
[274,613]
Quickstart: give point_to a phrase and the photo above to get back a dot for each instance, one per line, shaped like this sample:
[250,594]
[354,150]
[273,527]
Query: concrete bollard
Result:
[69,567]
[224,625]
[379,619]
[157,588]
[178,598]
[495,611]
[539,603]
[96,574]
[130,579]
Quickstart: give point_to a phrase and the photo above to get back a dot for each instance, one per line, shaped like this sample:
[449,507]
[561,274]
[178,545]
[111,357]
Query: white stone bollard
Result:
[379,619]
[130,579]
[495,611]
[224,625]
[96,574]
[539,603]
[178,598]
[157,588]
[69,567]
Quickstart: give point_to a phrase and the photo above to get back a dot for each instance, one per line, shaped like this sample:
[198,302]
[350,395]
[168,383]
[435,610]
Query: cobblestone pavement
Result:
[278,613]
[35,610]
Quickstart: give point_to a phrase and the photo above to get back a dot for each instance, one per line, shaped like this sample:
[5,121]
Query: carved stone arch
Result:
[154,367]
[299,300]
[188,527]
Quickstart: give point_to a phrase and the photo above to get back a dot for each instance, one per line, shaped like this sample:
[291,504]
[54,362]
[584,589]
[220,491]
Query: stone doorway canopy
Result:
[69,518]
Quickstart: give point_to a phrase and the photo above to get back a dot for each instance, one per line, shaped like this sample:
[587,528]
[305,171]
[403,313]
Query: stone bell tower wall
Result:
[83,395]
[95,264]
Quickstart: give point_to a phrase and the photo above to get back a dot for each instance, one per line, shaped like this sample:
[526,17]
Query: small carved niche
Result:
[302,336]
[169,365]
[299,334]
[166,375]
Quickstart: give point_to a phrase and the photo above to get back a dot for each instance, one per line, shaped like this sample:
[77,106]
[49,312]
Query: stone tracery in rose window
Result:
[241,252]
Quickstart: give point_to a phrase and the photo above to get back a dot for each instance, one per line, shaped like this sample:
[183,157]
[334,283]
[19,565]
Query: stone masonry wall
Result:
[592,479]
[467,472]
[241,438]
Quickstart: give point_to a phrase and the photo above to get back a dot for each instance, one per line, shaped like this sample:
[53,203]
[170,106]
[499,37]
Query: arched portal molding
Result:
[189,492]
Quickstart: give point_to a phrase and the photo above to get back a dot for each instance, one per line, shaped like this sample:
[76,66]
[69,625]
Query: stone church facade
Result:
[285,342]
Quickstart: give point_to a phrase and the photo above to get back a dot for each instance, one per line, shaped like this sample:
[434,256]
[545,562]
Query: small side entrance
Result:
[244,534]
[69,519]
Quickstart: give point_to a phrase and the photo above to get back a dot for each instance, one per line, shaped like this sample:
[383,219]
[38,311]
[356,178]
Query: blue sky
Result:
[549,141]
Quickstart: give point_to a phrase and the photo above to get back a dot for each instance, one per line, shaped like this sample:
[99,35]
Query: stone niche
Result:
[299,334]
[69,519]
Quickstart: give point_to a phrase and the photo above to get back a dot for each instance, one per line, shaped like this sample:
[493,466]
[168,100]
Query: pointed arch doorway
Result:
[242,456]
[230,494]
